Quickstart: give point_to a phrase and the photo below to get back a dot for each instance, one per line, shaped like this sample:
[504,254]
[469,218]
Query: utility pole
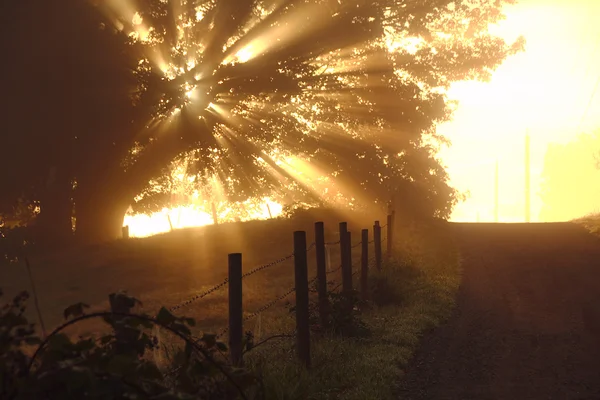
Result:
[527,179]
[496,194]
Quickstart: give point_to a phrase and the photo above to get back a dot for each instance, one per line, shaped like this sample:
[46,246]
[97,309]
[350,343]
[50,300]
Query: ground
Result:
[520,329]
[526,323]
[166,270]
[413,292]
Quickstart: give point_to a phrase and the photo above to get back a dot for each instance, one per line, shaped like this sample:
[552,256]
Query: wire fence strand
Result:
[356,245]
[266,266]
[224,282]
[261,309]
[201,295]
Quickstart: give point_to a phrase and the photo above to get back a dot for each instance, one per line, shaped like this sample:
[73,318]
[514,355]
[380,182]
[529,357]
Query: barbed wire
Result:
[275,262]
[199,296]
[223,283]
[356,271]
[334,270]
[289,292]
[267,305]
[356,245]
[261,309]
[263,267]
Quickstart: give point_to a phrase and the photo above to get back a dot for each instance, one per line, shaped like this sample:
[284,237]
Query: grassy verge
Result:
[416,292]
[591,222]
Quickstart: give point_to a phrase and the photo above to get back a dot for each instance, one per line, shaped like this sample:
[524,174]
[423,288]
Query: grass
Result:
[591,222]
[415,292]
[419,294]
[168,269]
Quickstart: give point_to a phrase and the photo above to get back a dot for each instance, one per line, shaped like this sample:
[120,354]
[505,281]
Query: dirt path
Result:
[518,331]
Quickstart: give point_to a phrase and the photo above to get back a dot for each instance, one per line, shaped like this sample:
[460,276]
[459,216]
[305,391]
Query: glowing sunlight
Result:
[192,215]
[550,90]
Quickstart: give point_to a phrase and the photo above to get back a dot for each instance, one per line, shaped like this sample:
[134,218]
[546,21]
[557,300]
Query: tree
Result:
[235,86]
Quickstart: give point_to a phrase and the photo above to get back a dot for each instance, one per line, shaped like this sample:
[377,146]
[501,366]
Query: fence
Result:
[302,283]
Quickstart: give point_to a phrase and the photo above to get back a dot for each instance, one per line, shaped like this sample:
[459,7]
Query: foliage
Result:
[14,243]
[369,367]
[390,285]
[344,314]
[232,89]
[113,366]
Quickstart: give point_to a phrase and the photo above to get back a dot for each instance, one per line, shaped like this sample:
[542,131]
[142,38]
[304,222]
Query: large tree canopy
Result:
[102,97]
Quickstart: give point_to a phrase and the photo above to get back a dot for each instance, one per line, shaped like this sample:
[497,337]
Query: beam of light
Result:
[289,28]
[262,37]
[244,54]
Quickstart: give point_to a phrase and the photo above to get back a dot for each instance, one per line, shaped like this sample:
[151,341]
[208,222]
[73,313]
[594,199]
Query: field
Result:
[421,280]
[168,269]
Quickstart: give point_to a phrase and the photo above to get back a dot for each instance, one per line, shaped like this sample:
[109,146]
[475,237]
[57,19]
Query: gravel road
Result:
[527,322]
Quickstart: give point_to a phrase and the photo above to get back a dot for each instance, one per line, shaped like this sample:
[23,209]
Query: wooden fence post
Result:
[377,238]
[347,265]
[301,279]
[235,308]
[343,229]
[390,236]
[125,231]
[322,275]
[364,265]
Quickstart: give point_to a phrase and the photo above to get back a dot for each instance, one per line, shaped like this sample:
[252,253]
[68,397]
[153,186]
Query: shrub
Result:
[344,314]
[392,283]
[115,365]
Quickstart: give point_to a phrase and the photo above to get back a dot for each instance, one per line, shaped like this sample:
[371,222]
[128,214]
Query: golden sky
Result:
[545,89]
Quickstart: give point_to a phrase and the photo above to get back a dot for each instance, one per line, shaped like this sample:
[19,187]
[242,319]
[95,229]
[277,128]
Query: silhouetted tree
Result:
[103,97]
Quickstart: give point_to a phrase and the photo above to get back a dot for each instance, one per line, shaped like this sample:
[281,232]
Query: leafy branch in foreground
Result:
[115,365]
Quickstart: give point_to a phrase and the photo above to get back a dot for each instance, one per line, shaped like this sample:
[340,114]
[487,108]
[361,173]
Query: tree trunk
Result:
[99,215]
[53,226]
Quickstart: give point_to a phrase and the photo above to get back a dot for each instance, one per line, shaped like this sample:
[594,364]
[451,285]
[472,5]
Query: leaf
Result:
[59,342]
[221,346]
[106,339]
[85,345]
[122,303]
[75,310]
[209,339]
[198,369]
[150,371]
[122,364]
[32,340]
[181,328]
[165,317]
